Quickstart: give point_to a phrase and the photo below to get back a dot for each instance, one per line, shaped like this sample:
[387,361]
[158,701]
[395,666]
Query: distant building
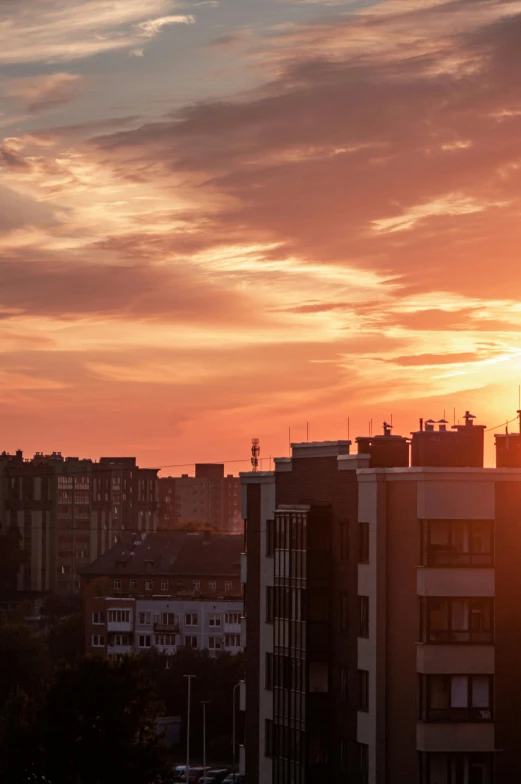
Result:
[69,511]
[209,499]
[382,615]
[165,590]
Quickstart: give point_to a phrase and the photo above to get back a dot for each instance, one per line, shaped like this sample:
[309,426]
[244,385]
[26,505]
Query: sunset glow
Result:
[227,218]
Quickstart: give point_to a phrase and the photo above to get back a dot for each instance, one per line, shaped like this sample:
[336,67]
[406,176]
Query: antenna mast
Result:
[255,452]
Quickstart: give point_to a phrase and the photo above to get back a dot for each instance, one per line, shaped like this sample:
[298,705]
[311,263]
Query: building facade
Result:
[117,625]
[207,500]
[382,620]
[70,511]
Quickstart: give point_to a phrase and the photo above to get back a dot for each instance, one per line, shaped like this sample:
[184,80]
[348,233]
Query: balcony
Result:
[449,581]
[455,659]
[125,650]
[455,737]
[172,628]
[119,626]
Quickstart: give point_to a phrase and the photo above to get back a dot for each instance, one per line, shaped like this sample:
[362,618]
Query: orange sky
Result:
[224,219]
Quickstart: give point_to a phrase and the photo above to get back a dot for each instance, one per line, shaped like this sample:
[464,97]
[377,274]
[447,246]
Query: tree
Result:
[98,724]
[11,559]
[24,662]
[66,639]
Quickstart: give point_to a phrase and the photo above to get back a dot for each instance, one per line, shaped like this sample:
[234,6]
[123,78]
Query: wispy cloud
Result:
[65,30]
[39,93]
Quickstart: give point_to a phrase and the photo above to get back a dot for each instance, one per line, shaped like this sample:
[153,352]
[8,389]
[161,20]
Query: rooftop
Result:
[172,553]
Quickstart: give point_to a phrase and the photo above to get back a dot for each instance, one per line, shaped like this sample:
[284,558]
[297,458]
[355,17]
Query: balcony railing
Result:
[166,627]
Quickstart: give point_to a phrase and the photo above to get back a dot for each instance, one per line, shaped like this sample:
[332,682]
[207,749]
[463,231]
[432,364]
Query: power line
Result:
[503,424]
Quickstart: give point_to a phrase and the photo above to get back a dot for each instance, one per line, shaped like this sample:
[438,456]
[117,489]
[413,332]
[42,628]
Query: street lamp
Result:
[233,730]
[187,776]
[204,703]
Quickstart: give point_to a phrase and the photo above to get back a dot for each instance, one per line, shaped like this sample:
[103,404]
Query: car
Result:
[239,779]
[178,772]
[196,772]
[215,776]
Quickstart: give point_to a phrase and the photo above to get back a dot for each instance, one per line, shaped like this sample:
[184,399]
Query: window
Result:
[168,619]
[456,697]
[148,585]
[145,618]
[133,584]
[164,585]
[215,643]
[214,620]
[212,585]
[457,620]
[98,618]
[363,763]
[197,585]
[344,542]
[446,768]
[343,683]
[363,690]
[363,608]
[117,585]
[270,603]
[165,639]
[120,639]
[457,542]
[191,619]
[232,618]
[268,671]
[119,616]
[268,738]
[98,640]
[144,641]
[191,642]
[227,586]
[343,612]
[270,537]
[363,529]
[232,640]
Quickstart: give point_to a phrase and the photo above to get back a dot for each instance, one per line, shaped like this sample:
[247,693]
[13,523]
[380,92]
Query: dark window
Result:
[457,620]
[446,768]
[269,671]
[270,537]
[343,683]
[270,596]
[363,690]
[457,543]
[456,698]
[344,542]
[344,614]
[268,738]
[363,529]
[363,608]
[363,763]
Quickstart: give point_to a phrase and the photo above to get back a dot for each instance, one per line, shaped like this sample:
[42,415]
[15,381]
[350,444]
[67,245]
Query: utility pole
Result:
[204,703]
[189,677]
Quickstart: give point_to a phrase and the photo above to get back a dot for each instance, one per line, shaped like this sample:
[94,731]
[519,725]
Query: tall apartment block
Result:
[208,499]
[382,614]
[69,511]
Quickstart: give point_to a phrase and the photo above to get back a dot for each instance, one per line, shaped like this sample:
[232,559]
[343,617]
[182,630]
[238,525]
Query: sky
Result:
[224,219]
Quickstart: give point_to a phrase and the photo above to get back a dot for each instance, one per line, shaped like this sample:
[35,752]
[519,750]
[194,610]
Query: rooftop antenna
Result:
[255,452]
[348,429]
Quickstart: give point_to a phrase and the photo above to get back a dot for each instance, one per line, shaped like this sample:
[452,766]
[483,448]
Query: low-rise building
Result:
[164,590]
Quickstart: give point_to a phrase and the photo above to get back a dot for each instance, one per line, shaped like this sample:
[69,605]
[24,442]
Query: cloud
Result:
[64,30]
[152,27]
[40,93]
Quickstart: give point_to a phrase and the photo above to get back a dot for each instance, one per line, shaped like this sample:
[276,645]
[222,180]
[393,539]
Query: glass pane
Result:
[460,618]
[438,773]
[439,533]
[438,692]
[438,615]
[480,691]
[459,691]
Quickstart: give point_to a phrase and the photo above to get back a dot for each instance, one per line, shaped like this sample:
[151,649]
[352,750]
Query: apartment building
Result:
[118,626]
[208,499]
[382,619]
[70,510]
[173,588]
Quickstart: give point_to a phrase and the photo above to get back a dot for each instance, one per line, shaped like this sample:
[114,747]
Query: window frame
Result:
[451,558]
[102,616]
[466,714]
[363,616]
[363,691]
[454,636]
[117,584]
[100,641]
[144,637]
[192,615]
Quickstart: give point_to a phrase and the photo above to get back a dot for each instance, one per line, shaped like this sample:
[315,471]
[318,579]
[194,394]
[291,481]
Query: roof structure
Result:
[172,553]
